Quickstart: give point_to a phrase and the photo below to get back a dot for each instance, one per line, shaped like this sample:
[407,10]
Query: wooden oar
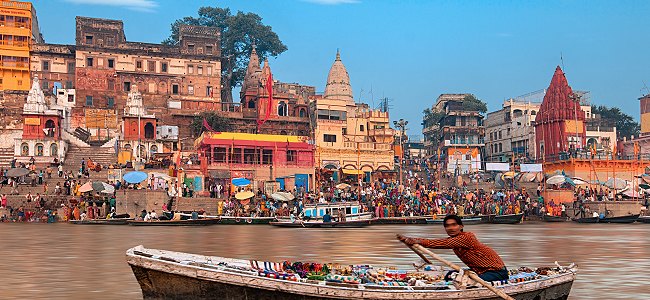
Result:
[420,251]
[472,274]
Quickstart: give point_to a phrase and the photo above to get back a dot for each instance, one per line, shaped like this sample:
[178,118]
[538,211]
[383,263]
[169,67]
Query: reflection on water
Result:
[73,261]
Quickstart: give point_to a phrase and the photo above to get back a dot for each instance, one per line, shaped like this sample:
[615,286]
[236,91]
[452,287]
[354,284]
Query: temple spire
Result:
[338,81]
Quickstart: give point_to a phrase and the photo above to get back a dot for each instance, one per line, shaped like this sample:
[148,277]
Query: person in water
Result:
[477,256]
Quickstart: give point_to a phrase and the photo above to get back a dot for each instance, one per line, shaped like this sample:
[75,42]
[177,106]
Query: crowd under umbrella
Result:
[135,177]
[343,186]
[282,196]
[615,183]
[240,181]
[17,172]
[103,187]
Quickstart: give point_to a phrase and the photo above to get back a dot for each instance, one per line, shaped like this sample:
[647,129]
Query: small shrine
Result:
[138,128]
[41,138]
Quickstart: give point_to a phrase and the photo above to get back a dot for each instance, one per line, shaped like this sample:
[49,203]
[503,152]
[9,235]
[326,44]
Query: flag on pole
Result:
[207,125]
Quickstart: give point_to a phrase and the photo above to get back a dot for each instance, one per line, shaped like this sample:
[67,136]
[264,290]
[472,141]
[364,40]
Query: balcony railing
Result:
[381,131]
[14,43]
[15,64]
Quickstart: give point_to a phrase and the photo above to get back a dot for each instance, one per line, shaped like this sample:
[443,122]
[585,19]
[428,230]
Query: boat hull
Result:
[244,221]
[621,220]
[644,219]
[507,219]
[547,218]
[347,224]
[198,222]
[162,278]
[403,220]
[466,221]
[587,220]
[101,222]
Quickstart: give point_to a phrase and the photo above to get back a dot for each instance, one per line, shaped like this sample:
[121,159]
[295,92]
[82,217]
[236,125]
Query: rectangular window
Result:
[267,157]
[89,100]
[46,85]
[89,40]
[110,102]
[250,156]
[208,91]
[89,61]
[110,41]
[68,85]
[190,90]
[235,156]
[190,69]
[209,70]
[46,65]
[199,70]
[111,84]
[344,130]
[220,155]
[163,67]
[70,67]
[208,49]
[292,156]
[329,138]
[70,98]
[151,66]
[127,86]
[190,48]
[174,89]
[111,63]
[20,82]
[138,64]
[361,128]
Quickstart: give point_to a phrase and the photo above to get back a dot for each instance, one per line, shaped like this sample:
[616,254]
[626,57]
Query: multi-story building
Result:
[18,30]
[458,138]
[510,131]
[353,141]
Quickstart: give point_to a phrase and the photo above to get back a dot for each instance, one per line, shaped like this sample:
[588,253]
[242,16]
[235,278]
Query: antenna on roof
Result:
[562,62]
[645,87]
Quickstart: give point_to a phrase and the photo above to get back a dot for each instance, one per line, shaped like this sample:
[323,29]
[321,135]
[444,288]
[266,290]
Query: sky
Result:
[412,51]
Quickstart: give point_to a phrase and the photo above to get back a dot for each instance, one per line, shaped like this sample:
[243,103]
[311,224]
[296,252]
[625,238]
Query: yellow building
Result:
[18,30]
[352,140]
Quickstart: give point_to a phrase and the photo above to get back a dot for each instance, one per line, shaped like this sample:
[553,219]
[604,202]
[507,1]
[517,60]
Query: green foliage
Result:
[626,126]
[238,33]
[217,122]
[471,103]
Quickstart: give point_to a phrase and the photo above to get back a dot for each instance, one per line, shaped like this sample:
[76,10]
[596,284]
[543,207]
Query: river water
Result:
[39,261]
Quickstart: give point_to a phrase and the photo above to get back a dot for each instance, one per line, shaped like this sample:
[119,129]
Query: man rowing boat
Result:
[477,256]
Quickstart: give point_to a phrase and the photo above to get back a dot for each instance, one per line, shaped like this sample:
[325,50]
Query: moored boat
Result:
[644,219]
[549,218]
[466,221]
[321,224]
[174,275]
[402,220]
[118,221]
[620,219]
[587,220]
[189,222]
[506,219]
[232,220]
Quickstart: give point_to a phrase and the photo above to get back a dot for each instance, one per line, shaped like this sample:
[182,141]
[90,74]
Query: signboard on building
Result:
[497,166]
[101,118]
[32,121]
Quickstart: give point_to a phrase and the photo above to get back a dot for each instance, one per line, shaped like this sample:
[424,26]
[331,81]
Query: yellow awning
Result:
[352,172]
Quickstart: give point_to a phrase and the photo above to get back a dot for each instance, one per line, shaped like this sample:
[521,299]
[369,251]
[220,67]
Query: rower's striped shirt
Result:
[477,256]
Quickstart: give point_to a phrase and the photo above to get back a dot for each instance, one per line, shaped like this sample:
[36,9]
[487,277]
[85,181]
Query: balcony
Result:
[15,65]
[381,132]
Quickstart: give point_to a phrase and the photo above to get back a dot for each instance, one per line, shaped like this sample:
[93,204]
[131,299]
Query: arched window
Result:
[127,146]
[143,151]
[54,150]
[154,149]
[251,103]
[302,113]
[49,128]
[282,109]
[39,149]
[283,132]
[24,149]
[148,131]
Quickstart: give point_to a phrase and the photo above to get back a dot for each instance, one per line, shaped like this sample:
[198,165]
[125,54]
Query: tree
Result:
[471,103]
[625,124]
[238,34]
[217,122]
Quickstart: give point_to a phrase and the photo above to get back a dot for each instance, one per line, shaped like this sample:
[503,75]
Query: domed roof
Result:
[338,82]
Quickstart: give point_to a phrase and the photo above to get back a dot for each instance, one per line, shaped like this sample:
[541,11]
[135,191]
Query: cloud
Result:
[139,5]
[333,2]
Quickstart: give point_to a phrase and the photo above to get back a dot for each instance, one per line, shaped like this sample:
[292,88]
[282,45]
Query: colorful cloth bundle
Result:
[341,278]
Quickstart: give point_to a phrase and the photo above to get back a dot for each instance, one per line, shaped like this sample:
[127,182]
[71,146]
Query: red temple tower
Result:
[560,122]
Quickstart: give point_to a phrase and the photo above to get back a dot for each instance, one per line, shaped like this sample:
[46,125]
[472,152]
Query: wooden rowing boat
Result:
[120,221]
[466,221]
[175,275]
[586,220]
[321,224]
[402,220]
[644,219]
[506,219]
[190,222]
[621,219]
[547,218]
[229,220]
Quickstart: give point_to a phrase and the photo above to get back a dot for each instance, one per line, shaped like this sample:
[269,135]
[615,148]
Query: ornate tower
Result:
[338,82]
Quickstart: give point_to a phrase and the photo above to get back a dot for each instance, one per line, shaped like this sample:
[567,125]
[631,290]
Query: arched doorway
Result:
[54,150]
[282,109]
[302,113]
[39,149]
[592,143]
[49,128]
[24,149]
[148,131]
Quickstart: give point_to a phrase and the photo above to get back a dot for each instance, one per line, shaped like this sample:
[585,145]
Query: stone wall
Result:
[134,201]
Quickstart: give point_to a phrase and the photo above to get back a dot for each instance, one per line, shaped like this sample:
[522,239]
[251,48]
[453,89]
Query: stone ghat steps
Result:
[6,156]
[103,156]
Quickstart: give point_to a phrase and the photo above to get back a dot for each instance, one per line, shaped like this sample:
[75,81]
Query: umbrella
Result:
[244,195]
[282,196]
[630,193]
[556,179]
[160,176]
[646,178]
[578,181]
[343,186]
[240,182]
[135,177]
[644,186]
[17,172]
[103,187]
[510,174]
[615,182]
[86,187]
